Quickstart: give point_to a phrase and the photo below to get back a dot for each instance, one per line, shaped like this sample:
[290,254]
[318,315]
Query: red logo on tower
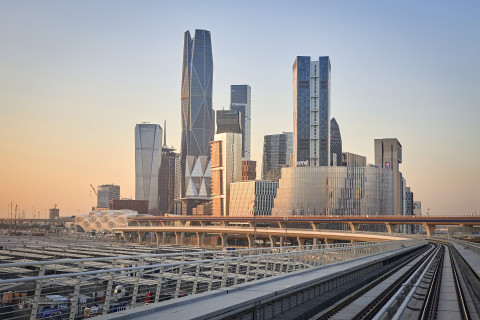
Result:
[387,165]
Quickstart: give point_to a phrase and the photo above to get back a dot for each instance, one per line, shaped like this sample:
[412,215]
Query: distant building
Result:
[311,111]
[417,208]
[140,206]
[54,214]
[240,100]
[249,170]
[226,155]
[106,194]
[277,149]
[388,155]
[335,143]
[148,147]
[353,160]
[167,183]
[229,121]
[256,197]
[334,191]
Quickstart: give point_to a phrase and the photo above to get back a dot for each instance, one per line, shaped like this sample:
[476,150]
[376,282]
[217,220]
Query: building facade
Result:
[277,149]
[198,119]
[335,144]
[241,100]
[311,111]
[334,191]
[353,160]
[226,155]
[249,170]
[148,147]
[256,197]
[167,179]
[388,155]
[229,121]
[107,193]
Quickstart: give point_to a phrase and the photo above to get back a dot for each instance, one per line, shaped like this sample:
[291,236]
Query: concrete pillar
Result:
[178,236]
[390,227]
[201,239]
[429,229]
[164,237]
[273,241]
[224,238]
[315,226]
[282,241]
[250,240]
[301,241]
[325,240]
[315,242]
[157,238]
[353,226]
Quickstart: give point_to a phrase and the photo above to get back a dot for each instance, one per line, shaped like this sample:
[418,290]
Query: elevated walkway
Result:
[273,298]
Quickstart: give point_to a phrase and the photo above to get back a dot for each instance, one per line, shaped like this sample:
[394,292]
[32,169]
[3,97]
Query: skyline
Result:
[77,80]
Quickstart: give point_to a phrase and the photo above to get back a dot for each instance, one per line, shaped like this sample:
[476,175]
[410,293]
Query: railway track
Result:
[435,284]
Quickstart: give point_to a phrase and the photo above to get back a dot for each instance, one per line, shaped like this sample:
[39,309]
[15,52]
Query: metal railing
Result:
[81,288]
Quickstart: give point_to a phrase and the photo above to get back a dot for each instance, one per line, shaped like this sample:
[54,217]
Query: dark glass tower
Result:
[335,142]
[311,111]
[198,119]
[240,100]
[277,149]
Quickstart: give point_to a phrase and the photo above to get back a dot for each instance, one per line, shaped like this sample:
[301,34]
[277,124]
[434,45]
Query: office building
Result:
[248,198]
[353,160]
[417,208]
[334,191]
[240,100]
[388,155]
[167,178]
[249,170]
[140,206]
[106,194]
[277,149]
[226,155]
[229,121]
[198,119]
[311,111]
[148,146]
[335,144]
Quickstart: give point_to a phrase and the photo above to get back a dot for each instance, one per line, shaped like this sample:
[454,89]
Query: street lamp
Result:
[286,228]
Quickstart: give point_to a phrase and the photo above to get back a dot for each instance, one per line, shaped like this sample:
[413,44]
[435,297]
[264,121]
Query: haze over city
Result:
[77,76]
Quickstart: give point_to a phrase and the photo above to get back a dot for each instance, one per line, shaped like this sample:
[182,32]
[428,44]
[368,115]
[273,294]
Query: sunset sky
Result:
[76,76]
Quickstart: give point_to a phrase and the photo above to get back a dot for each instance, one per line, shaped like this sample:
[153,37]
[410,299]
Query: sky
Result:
[76,76]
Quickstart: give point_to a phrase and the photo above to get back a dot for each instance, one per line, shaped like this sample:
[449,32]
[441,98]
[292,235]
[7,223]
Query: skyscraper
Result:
[388,155]
[277,149]
[226,168]
[148,145]
[240,100]
[229,121]
[335,143]
[106,194]
[167,178]
[311,111]
[198,119]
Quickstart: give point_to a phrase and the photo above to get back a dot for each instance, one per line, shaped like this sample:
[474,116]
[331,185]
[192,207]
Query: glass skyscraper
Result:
[240,100]
[311,111]
[148,146]
[277,149]
[198,119]
[335,143]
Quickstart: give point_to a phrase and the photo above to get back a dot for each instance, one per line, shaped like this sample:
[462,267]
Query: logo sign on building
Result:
[302,163]
[387,165]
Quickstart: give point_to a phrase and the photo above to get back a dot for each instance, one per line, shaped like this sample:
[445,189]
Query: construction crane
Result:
[94,191]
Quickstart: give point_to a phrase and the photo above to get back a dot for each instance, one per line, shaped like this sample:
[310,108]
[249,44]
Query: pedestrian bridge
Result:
[353,221]
[275,236]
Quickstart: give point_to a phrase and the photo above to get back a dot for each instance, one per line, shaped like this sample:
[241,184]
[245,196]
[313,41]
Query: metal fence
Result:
[82,288]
